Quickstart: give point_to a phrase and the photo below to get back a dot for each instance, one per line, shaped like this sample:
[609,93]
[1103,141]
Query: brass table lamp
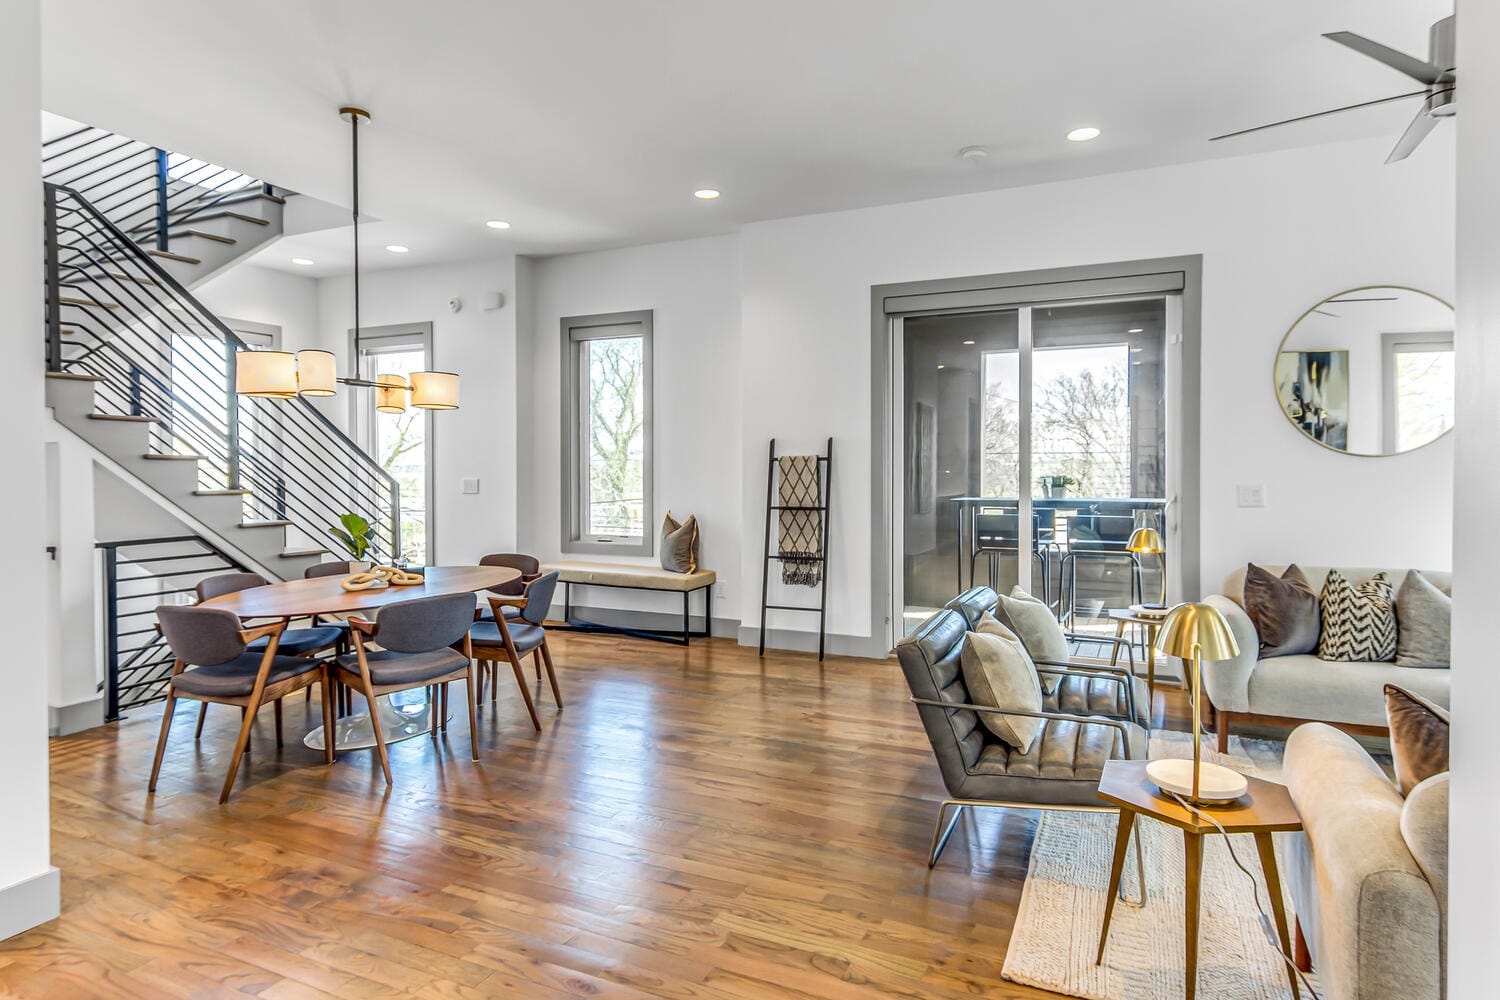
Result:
[1197,632]
[1147,542]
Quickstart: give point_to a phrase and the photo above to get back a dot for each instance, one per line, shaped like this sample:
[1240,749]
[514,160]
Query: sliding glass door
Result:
[1034,442]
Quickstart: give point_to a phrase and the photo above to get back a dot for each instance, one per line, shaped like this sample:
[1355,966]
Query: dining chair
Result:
[317,571]
[293,641]
[214,662]
[416,640]
[530,568]
[513,638]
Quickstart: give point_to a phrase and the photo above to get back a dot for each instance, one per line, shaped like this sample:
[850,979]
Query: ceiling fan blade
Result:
[1417,69]
[1413,136]
[1319,114]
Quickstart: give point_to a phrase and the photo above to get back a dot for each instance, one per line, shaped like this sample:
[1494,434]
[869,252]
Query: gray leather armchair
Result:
[1062,769]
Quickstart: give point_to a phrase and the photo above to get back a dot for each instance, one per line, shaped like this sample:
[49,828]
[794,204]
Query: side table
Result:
[1265,809]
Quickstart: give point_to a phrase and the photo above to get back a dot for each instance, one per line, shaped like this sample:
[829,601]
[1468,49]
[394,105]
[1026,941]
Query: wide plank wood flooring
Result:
[695,823]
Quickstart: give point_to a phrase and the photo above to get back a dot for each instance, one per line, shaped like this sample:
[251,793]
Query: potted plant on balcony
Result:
[1056,487]
[354,535]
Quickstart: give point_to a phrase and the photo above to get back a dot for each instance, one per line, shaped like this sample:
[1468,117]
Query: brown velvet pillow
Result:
[1285,611]
[1419,737]
[679,544]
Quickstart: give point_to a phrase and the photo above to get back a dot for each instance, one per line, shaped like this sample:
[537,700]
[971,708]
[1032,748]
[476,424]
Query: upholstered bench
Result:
[625,576]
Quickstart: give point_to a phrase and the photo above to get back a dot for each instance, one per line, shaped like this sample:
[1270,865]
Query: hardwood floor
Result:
[696,823]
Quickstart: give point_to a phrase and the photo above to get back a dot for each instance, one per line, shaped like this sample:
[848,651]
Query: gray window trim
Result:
[1182,276]
[575,331]
[362,406]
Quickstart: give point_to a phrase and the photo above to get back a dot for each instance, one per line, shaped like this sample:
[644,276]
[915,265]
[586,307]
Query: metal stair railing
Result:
[147,192]
[114,313]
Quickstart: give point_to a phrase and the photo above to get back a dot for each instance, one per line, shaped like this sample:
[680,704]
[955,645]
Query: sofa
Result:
[1287,690]
[1369,873]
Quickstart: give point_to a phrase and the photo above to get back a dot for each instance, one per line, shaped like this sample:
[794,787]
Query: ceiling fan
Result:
[1436,73]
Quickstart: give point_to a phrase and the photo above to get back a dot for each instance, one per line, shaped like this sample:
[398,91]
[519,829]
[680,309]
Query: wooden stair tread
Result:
[74,377]
[302,553]
[208,217]
[94,276]
[73,300]
[126,417]
[184,233]
[222,493]
[156,456]
[169,255]
[264,524]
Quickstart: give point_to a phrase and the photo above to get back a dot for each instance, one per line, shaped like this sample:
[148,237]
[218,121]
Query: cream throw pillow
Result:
[990,625]
[998,673]
[1039,631]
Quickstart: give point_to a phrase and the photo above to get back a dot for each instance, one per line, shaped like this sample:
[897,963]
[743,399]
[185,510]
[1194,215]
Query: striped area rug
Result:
[1056,936]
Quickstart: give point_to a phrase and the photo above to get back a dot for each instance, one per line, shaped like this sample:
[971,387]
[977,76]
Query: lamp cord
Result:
[1266,924]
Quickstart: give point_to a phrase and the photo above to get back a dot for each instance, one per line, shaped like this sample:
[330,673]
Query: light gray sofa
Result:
[1369,874]
[1286,690]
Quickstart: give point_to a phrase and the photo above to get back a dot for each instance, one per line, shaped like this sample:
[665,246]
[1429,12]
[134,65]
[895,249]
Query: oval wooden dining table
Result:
[402,715]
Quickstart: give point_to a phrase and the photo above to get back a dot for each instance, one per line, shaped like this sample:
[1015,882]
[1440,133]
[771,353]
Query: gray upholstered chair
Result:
[1074,687]
[513,638]
[214,662]
[1060,771]
[416,641]
[530,568]
[340,567]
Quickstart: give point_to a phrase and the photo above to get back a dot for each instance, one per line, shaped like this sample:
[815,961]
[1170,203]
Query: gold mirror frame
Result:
[1281,349]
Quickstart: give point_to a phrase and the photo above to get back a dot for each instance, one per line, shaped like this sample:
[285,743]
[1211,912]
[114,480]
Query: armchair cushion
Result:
[998,672]
[1039,630]
[1419,737]
[388,667]
[236,679]
[1063,751]
[1424,620]
[1076,694]
[1284,610]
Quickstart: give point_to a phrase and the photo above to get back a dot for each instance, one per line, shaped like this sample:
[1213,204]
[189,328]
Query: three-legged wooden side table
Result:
[1266,809]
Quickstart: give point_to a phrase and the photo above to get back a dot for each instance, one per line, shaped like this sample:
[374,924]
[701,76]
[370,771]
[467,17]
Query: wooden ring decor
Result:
[364,581]
[398,577]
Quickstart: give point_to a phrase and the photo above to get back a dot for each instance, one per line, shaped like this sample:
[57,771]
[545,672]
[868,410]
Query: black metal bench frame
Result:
[678,637]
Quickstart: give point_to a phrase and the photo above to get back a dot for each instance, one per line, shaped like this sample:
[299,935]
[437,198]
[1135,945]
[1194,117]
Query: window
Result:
[1419,389]
[400,442]
[606,423]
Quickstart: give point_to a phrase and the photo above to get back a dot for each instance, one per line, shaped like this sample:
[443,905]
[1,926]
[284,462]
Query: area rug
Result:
[1056,936]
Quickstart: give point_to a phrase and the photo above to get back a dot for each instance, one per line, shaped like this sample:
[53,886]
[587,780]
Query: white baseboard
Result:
[30,902]
[63,720]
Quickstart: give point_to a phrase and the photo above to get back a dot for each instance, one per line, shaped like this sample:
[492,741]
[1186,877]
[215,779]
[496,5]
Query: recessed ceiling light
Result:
[1135,329]
[498,224]
[1083,134]
[968,343]
[303,262]
[941,367]
[706,194]
[397,248]
[1136,350]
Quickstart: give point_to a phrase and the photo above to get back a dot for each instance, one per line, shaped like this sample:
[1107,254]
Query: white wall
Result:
[261,295]
[1278,232]
[1474,884]
[28,882]
[478,440]
[692,287]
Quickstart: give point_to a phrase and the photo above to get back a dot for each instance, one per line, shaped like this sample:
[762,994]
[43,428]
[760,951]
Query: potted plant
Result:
[354,535]
[1056,487]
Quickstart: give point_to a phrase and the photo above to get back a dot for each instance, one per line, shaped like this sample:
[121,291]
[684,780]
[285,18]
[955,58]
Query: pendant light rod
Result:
[353,116]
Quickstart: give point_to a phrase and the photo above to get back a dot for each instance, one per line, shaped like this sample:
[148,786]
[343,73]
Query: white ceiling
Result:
[589,123]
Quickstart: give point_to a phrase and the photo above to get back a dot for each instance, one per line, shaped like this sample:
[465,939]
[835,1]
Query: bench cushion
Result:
[629,575]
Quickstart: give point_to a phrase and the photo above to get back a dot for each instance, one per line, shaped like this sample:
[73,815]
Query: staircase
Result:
[144,373]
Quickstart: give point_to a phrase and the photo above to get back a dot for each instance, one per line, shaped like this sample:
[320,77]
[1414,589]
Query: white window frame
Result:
[577,331]
[1392,344]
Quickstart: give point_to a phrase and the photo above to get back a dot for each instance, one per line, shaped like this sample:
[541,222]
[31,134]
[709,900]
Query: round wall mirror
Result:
[1370,371]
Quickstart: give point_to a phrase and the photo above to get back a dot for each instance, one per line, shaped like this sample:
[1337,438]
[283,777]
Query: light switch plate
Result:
[470,484]
[1251,495]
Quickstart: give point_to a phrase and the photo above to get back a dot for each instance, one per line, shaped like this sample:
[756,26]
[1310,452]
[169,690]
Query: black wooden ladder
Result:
[825,468]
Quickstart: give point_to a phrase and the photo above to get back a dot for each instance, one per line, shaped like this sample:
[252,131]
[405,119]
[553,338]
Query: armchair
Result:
[1063,766]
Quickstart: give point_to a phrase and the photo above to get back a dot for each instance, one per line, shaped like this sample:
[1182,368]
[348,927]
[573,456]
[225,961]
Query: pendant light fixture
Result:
[283,375]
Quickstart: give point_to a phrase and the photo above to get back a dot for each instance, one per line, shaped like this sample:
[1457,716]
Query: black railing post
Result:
[54,282]
[111,633]
[161,199]
[280,512]
[136,406]
[233,431]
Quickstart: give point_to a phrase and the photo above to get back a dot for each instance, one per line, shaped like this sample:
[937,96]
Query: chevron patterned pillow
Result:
[1359,623]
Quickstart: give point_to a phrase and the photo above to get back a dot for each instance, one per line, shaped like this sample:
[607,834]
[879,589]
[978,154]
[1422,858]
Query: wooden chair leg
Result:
[536,663]
[443,691]
[473,713]
[1301,954]
[515,665]
[328,726]
[161,741]
[385,762]
[241,747]
[494,681]
[202,714]
[551,674]
[1222,725]
[278,719]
